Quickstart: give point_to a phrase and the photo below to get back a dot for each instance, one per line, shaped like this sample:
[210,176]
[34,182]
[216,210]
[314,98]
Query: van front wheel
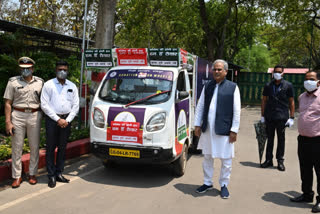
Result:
[179,165]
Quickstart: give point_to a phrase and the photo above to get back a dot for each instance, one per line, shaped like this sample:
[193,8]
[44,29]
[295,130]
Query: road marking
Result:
[29,196]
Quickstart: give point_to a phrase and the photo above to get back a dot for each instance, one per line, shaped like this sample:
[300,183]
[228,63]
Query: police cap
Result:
[25,62]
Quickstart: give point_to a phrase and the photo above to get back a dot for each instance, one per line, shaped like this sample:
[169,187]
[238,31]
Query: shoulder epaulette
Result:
[38,78]
[13,78]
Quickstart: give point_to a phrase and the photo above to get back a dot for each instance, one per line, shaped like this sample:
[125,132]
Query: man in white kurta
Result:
[211,144]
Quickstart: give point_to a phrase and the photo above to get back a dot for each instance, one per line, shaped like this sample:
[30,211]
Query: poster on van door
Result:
[204,75]
[125,125]
[182,124]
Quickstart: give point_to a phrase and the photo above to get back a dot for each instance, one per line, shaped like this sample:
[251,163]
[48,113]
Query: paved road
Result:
[152,189]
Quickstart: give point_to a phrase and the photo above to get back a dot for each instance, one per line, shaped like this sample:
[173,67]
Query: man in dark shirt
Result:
[276,102]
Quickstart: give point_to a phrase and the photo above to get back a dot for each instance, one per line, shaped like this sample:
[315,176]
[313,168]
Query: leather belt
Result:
[63,116]
[27,110]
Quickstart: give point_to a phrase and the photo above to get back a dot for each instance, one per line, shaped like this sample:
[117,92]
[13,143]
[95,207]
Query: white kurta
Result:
[210,143]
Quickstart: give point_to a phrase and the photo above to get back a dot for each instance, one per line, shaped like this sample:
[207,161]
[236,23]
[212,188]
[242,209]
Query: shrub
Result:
[2,125]
[5,141]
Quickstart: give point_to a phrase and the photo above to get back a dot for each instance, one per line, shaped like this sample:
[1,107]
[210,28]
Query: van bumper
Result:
[148,154]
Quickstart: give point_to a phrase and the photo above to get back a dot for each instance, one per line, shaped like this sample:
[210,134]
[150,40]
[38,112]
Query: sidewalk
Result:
[74,149]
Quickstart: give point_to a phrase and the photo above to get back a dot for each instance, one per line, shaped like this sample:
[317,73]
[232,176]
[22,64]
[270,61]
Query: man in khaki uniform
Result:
[23,115]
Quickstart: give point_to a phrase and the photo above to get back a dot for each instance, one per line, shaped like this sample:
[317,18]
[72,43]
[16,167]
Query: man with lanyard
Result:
[60,103]
[217,116]
[309,139]
[23,115]
[277,100]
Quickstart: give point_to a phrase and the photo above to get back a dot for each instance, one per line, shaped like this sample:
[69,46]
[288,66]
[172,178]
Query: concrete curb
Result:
[74,149]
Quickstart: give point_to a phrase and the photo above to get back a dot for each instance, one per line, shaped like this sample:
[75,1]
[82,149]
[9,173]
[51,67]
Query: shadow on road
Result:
[250,164]
[132,175]
[283,199]
[190,189]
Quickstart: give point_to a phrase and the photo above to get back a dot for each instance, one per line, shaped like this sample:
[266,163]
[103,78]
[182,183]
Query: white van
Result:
[145,113]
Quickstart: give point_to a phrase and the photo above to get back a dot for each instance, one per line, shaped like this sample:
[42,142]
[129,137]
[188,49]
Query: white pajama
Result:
[225,171]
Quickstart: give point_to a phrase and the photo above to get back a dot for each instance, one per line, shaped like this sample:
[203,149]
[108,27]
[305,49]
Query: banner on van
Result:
[132,56]
[98,58]
[140,74]
[164,57]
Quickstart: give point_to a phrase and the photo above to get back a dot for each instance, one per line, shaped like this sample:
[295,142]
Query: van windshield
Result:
[126,86]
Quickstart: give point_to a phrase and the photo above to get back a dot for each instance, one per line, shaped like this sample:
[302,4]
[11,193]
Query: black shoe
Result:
[204,188]
[316,207]
[303,198]
[52,182]
[62,179]
[267,163]
[281,166]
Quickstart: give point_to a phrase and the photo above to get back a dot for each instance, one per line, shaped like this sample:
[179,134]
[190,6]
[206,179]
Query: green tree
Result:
[228,25]
[256,58]
[143,23]
[297,23]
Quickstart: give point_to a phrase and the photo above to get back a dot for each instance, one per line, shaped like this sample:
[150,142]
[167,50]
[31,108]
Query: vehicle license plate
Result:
[124,153]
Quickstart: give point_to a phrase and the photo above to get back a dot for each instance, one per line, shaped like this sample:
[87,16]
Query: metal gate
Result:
[251,85]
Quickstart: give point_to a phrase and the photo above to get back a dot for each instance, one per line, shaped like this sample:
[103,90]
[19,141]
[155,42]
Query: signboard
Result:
[164,57]
[125,132]
[132,56]
[98,58]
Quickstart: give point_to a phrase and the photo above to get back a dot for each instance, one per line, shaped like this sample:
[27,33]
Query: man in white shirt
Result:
[60,103]
[218,118]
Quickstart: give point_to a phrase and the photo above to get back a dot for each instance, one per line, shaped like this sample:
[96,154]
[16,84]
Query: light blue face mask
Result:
[310,85]
[62,74]
[26,72]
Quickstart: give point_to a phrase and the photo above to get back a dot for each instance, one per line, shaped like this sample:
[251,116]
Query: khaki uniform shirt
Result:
[22,93]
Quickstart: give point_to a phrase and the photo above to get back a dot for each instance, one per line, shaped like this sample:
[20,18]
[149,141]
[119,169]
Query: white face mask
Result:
[26,72]
[310,85]
[277,76]
[62,74]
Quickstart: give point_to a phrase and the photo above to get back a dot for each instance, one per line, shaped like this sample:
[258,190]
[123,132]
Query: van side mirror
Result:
[182,95]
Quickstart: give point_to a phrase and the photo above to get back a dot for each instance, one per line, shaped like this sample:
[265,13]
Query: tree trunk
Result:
[21,10]
[105,24]
[220,52]
[205,26]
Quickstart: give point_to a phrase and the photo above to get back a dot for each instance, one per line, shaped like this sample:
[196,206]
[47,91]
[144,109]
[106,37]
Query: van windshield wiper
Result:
[145,98]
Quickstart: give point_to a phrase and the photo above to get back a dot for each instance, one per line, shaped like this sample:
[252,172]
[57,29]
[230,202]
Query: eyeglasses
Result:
[218,69]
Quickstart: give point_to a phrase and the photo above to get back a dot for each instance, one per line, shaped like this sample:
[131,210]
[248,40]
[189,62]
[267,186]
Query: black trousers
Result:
[279,127]
[56,137]
[309,159]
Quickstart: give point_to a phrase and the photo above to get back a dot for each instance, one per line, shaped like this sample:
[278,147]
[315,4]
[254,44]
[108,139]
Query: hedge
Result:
[5,141]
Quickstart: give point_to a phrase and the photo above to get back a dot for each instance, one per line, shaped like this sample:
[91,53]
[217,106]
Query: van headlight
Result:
[98,118]
[156,122]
